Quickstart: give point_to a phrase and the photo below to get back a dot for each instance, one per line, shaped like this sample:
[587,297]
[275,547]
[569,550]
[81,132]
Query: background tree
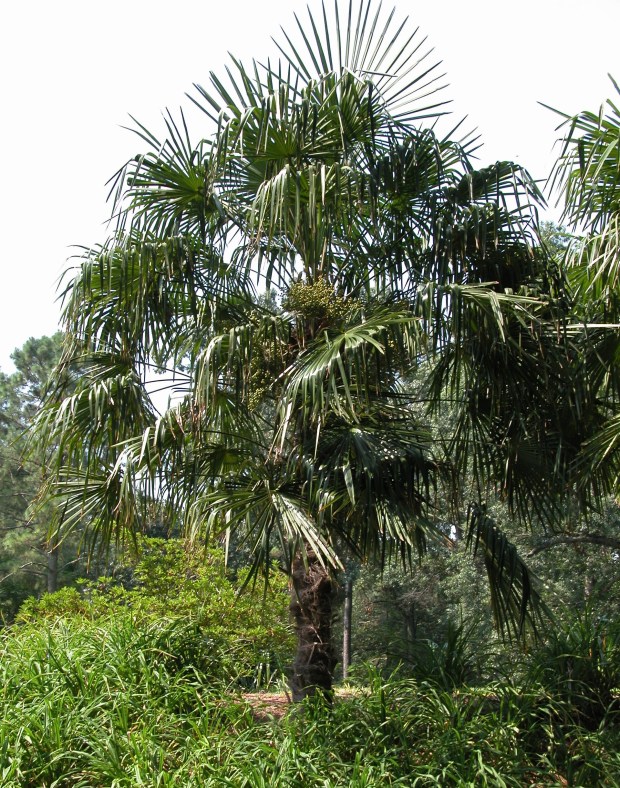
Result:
[28,564]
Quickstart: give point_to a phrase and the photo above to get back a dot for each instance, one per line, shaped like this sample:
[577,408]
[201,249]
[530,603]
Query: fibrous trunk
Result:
[311,607]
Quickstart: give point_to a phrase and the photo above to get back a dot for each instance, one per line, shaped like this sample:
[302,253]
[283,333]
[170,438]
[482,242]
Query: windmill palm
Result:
[587,175]
[323,180]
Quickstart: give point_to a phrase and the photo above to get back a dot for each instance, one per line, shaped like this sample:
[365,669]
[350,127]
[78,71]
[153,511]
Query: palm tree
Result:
[587,176]
[380,251]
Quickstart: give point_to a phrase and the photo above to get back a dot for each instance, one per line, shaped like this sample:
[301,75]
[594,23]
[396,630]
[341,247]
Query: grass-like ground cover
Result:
[112,703]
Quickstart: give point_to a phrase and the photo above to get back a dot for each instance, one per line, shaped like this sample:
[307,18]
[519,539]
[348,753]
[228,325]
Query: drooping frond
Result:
[152,300]
[515,597]
[269,515]
[372,479]
[342,369]
[521,404]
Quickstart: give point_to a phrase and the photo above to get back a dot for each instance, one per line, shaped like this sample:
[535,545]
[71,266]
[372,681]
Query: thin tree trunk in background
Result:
[346,623]
[410,631]
[52,567]
[311,607]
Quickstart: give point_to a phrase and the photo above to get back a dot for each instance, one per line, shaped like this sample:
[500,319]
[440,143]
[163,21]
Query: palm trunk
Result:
[311,607]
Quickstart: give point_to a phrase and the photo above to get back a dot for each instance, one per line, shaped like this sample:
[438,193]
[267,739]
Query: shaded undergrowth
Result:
[110,704]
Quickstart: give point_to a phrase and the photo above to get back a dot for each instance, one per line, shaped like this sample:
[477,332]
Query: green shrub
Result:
[169,583]
[580,665]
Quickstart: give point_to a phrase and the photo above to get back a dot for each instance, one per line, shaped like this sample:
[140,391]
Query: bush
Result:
[106,703]
[168,583]
[580,664]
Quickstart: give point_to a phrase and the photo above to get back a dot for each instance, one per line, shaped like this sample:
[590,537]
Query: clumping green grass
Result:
[109,703]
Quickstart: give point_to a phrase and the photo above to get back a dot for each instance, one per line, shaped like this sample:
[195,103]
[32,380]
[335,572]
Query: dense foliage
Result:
[245,635]
[28,563]
[109,704]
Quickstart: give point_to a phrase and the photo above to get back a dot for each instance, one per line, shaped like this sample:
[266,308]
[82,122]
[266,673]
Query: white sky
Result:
[71,71]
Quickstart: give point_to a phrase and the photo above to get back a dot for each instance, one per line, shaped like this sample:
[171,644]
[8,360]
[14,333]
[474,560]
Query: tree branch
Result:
[597,539]
[24,567]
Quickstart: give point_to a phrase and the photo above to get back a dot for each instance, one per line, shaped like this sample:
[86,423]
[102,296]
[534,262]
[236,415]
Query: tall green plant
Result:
[324,178]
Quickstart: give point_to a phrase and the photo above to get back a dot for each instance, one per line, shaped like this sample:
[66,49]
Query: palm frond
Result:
[516,602]
[587,173]
[169,190]
[372,45]
[268,517]
[343,368]
[372,480]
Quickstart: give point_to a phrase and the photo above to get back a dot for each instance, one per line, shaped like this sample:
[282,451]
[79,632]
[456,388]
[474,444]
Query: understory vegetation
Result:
[107,702]
[172,673]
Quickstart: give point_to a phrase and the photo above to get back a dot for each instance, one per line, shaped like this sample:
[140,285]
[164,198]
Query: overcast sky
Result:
[72,71]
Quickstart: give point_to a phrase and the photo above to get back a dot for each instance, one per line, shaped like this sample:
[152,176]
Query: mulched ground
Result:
[267,706]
